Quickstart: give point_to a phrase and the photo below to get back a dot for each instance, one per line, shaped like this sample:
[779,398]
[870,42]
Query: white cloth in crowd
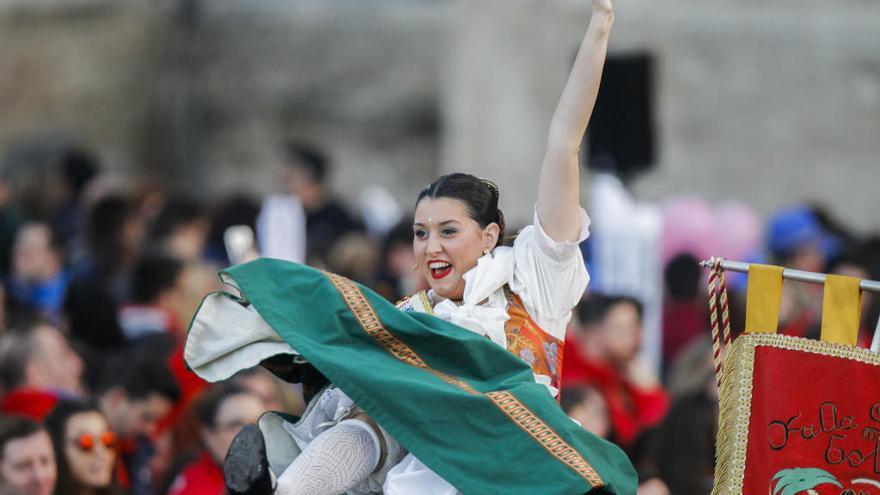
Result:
[281,228]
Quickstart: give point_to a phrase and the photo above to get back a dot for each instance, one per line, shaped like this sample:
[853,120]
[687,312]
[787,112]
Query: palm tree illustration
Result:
[796,480]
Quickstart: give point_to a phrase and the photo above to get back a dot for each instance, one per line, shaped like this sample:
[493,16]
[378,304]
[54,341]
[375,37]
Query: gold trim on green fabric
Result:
[369,321]
[736,398]
[512,407]
[544,435]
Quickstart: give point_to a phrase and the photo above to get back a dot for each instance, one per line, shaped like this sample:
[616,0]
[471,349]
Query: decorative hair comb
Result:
[491,185]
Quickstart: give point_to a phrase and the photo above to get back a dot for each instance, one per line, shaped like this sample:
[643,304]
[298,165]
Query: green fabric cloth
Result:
[434,394]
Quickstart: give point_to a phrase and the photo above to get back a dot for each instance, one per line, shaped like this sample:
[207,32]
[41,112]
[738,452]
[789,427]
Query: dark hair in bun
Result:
[480,196]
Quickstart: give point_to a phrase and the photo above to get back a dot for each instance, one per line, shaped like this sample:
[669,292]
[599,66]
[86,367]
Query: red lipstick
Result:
[438,273]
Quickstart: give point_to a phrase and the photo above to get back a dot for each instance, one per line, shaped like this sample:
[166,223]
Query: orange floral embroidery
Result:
[529,342]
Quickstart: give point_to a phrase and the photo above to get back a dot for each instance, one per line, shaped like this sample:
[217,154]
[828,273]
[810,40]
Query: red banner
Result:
[813,418]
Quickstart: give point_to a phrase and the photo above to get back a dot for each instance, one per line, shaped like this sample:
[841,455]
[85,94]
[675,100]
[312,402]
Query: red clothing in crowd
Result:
[31,402]
[125,448]
[190,387]
[201,477]
[631,409]
[683,321]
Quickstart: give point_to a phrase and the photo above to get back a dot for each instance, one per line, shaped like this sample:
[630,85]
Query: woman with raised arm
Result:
[520,298]
[458,225]
[421,398]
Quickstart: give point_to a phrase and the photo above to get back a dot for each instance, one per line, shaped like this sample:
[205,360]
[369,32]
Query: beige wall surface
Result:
[203,98]
[768,102]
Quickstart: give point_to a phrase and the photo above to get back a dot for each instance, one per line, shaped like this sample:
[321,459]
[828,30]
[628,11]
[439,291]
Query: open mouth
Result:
[439,269]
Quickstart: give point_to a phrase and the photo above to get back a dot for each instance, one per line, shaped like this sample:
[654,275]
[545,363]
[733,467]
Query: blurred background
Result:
[145,145]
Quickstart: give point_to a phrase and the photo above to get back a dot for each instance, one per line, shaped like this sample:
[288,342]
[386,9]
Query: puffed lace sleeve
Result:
[549,276]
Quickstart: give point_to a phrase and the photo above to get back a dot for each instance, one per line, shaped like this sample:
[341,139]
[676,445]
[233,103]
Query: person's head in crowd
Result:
[38,280]
[238,209]
[305,173]
[856,263]
[86,448]
[27,459]
[3,302]
[9,219]
[39,357]
[354,255]
[870,251]
[797,239]
[156,291]
[156,280]
[181,229]
[78,167]
[222,412]
[277,395]
[5,186]
[611,327]
[685,445]
[51,179]
[693,370]
[684,315]
[38,253]
[586,405]
[135,391]
[396,279]
[848,264]
[397,256]
[839,236]
[17,313]
[115,233]
[37,189]
[682,276]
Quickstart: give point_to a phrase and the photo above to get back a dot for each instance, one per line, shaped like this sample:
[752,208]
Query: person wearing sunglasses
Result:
[86,449]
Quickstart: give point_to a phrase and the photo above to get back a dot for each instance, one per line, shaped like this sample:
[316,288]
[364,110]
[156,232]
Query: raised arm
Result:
[559,186]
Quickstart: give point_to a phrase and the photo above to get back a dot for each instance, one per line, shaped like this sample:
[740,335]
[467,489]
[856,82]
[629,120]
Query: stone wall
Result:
[360,78]
[200,94]
[769,102]
[80,70]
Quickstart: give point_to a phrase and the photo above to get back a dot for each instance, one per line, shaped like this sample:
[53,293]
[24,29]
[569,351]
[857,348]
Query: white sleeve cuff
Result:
[561,250]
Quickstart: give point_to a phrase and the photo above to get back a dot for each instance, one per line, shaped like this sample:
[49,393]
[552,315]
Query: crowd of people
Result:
[667,419]
[99,283]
